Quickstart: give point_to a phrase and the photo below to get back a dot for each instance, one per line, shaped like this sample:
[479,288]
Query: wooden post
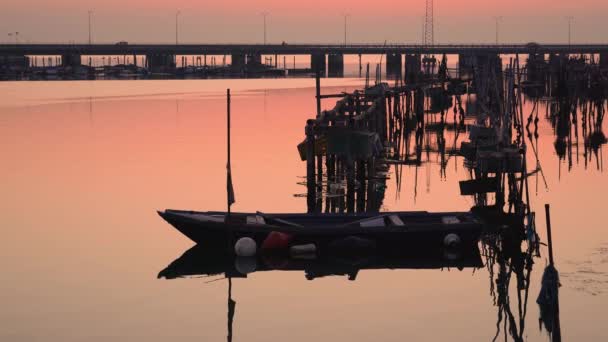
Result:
[329,169]
[371,196]
[340,179]
[319,203]
[367,77]
[350,186]
[362,186]
[310,166]
[318,86]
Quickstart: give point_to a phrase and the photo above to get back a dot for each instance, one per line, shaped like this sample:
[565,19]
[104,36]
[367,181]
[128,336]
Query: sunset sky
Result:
[305,21]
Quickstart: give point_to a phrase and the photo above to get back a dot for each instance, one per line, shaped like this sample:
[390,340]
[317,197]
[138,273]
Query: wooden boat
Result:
[386,231]
[327,233]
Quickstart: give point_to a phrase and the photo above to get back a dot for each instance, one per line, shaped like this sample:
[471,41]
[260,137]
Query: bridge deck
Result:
[292,49]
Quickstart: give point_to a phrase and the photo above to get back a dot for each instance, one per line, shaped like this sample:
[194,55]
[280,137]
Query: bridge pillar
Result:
[604,60]
[238,61]
[557,61]
[71,59]
[317,63]
[160,62]
[393,65]
[467,62]
[536,65]
[335,65]
[14,63]
[254,58]
[413,68]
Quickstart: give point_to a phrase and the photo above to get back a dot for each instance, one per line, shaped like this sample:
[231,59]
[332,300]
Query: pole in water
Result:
[549,240]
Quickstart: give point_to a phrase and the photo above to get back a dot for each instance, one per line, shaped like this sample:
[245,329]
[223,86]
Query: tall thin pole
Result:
[345,28]
[264,15]
[318,90]
[177,27]
[570,19]
[228,167]
[90,12]
[497,20]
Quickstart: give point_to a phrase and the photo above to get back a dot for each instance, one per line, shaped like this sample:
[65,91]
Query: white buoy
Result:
[245,265]
[245,247]
[451,240]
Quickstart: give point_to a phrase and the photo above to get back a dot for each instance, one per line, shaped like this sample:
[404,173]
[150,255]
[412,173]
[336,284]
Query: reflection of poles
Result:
[310,166]
[507,255]
[231,310]
[548,298]
[549,239]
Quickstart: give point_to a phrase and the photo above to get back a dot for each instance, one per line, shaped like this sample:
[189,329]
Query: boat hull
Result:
[418,230]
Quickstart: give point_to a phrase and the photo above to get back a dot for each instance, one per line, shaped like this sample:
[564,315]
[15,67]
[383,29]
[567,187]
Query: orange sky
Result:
[310,21]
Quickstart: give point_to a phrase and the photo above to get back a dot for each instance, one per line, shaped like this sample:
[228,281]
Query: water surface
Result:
[86,164]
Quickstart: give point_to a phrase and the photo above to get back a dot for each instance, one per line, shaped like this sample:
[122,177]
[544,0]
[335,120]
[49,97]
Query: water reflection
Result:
[204,261]
[435,140]
[501,255]
[423,131]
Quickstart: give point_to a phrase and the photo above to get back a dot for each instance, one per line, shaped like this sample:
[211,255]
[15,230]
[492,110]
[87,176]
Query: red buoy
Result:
[276,240]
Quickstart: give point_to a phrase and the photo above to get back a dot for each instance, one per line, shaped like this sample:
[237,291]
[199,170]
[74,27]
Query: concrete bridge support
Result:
[254,58]
[468,63]
[604,60]
[335,65]
[238,61]
[160,62]
[536,65]
[413,68]
[71,60]
[14,63]
[393,65]
[556,61]
[317,63]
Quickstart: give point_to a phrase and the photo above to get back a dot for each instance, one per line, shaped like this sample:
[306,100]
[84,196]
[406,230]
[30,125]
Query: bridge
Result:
[322,55]
[295,49]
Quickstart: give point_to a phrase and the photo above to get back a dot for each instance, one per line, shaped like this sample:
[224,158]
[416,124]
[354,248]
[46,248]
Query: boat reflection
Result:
[203,261]
[508,264]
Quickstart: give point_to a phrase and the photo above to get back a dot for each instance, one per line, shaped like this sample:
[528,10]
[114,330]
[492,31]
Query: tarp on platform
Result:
[345,143]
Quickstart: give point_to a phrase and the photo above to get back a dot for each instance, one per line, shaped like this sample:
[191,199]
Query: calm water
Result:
[86,164]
